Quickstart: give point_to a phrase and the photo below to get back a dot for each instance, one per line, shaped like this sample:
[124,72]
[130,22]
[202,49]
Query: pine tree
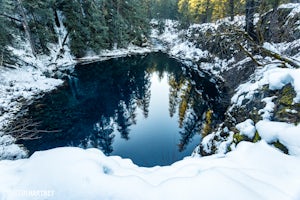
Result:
[75,25]
[201,11]
[6,28]
[231,9]
[40,18]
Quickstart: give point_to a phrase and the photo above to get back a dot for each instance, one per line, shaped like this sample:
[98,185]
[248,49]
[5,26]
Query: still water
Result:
[150,109]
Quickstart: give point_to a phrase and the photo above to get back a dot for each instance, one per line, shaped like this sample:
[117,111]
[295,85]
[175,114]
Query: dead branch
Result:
[65,39]
[26,129]
[10,17]
[290,61]
[61,50]
[249,55]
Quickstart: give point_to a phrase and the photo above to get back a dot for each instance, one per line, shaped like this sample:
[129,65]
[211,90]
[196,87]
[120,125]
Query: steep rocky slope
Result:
[259,77]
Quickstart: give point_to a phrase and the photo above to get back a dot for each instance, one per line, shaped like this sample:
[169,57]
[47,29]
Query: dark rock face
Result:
[237,75]
[277,24]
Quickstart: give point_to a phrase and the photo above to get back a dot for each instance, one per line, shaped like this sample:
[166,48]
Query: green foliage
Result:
[41,23]
[166,9]
[101,24]
[6,57]
[5,54]
[92,25]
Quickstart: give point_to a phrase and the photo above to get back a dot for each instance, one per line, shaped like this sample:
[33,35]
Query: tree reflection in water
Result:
[108,95]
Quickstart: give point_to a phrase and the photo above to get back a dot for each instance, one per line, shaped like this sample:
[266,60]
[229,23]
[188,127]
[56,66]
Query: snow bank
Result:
[116,53]
[8,149]
[247,128]
[287,134]
[252,171]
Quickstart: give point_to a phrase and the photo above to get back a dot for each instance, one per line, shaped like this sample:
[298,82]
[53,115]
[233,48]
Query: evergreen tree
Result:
[201,11]
[6,28]
[40,19]
[166,9]
[102,24]
[74,22]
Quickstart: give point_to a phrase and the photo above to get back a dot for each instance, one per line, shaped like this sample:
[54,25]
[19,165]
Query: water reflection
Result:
[148,108]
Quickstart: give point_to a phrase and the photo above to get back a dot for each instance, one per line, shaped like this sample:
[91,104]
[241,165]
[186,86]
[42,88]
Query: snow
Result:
[247,128]
[294,6]
[116,53]
[270,47]
[8,149]
[287,134]
[252,171]
[267,111]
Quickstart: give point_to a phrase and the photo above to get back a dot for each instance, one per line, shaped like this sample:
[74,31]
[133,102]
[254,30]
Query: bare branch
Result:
[294,63]
[250,55]
[26,129]
[10,17]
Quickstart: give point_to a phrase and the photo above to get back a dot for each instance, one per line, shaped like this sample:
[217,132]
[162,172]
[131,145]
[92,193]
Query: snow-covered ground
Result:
[249,171]
[252,171]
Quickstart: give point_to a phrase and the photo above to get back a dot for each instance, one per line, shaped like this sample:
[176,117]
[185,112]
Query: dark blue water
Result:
[147,108]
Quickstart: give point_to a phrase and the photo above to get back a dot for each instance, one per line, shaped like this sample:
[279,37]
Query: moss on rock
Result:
[286,110]
[208,121]
[237,138]
[281,147]
[256,137]
[287,95]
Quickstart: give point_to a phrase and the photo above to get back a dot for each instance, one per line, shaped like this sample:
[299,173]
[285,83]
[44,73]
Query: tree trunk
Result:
[231,9]
[26,27]
[2,57]
[206,17]
[276,4]
[56,18]
[250,10]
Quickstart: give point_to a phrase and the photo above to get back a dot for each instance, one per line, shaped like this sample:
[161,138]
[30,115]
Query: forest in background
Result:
[94,25]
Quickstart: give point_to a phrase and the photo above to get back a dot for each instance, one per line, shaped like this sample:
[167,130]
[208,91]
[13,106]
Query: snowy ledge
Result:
[252,171]
[116,53]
